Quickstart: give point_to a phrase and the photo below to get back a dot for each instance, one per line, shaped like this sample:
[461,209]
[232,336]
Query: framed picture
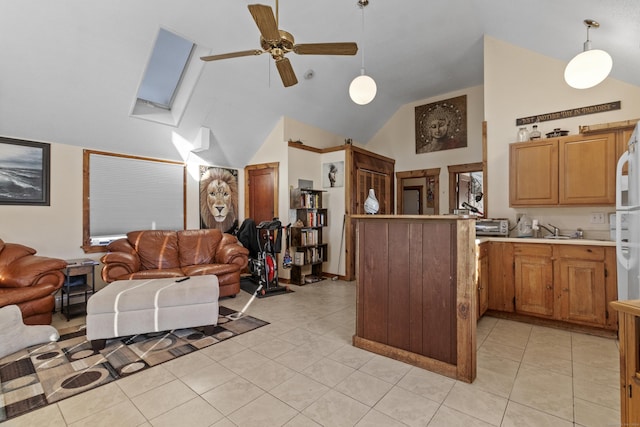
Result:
[333,174]
[218,198]
[24,172]
[441,125]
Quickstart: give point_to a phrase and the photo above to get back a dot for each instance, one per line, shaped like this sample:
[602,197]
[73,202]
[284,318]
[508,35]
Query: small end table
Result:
[79,280]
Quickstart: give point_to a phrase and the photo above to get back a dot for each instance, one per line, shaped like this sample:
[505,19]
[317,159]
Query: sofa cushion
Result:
[157,249]
[198,246]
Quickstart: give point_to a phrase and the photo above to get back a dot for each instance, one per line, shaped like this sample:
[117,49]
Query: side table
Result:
[79,280]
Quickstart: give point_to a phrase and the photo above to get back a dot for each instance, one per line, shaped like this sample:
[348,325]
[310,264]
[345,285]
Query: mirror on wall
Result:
[467,189]
[418,192]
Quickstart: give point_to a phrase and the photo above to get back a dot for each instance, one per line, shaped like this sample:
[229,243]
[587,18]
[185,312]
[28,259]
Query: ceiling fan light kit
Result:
[590,67]
[363,88]
[278,43]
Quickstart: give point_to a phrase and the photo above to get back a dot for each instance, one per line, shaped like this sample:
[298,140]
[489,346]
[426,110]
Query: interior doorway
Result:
[467,188]
[261,192]
[418,192]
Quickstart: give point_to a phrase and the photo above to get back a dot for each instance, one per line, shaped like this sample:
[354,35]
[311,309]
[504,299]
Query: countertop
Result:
[589,242]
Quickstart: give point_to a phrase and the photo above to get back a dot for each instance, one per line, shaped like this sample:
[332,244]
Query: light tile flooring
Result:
[302,371]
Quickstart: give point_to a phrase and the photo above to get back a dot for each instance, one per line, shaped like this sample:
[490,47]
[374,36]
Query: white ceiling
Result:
[70,69]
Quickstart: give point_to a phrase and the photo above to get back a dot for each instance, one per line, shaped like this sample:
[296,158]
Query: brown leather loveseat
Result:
[160,253]
[29,281]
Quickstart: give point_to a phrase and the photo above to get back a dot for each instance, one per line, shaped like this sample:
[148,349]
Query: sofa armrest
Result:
[117,264]
[33,270]
[230,251]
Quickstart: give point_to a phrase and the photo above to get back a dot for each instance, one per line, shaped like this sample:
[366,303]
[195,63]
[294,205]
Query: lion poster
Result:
[218,198]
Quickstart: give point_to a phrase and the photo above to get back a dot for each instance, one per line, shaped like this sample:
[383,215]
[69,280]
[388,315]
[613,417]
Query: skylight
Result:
[165,69]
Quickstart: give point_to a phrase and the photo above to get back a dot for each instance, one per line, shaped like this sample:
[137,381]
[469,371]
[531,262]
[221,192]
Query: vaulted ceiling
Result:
[70,69]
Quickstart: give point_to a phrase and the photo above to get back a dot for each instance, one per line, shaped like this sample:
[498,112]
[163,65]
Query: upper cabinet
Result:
[575,170]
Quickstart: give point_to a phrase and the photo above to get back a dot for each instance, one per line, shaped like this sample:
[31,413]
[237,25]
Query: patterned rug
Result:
[44,374]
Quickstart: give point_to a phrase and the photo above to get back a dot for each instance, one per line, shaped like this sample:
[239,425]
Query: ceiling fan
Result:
[278,42]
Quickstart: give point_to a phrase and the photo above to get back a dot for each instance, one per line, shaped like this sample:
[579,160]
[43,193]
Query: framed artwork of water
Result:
[24,172]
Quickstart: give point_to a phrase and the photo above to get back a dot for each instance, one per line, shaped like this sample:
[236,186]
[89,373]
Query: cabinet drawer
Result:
[595,253]
[532,249]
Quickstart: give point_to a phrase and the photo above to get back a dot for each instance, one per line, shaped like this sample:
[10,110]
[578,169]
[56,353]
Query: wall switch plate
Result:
[597,218]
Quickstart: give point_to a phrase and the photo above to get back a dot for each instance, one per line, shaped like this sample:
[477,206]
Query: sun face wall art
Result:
[441,125]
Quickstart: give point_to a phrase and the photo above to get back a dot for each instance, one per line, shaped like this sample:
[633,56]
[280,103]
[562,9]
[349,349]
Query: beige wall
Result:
[397,140]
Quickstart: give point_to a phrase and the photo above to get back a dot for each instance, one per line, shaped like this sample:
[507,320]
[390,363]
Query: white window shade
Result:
[128,194]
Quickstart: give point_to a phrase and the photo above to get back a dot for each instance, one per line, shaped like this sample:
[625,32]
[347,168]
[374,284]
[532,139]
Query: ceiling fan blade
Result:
[348,48]
[265,20]
[231,55]
[287,74]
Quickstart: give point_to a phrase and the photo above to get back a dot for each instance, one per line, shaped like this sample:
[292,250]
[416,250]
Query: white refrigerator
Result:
[628,221]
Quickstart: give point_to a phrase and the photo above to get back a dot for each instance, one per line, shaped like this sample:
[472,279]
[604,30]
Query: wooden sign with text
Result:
[574,112]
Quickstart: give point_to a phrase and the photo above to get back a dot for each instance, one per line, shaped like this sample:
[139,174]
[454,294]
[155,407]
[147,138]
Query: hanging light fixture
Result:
[363,88]
[590,67]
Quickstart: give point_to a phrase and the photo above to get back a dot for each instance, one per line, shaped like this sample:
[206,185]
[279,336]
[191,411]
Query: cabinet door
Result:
[580,291]
[533,173]
[534,279]
[587,170]
[483,278]
[622,141]
[500,285]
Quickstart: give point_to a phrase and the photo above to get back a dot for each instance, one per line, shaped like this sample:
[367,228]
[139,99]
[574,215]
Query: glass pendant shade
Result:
[588,69]
[363,89]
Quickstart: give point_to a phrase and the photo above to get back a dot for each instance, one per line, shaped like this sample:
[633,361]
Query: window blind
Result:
[127,194]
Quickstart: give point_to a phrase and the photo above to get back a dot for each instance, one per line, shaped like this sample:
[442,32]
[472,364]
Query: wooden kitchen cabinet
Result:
[533,279]
[533,173]
[500,293]
[562,282]
[574,170]
[482,276]
[580,290]
[629,361]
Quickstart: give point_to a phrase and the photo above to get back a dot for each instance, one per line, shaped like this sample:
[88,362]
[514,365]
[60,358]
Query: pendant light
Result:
[363,88]
[590,67]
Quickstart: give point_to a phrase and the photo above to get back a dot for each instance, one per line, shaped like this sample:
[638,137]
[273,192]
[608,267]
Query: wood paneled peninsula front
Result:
[416,291]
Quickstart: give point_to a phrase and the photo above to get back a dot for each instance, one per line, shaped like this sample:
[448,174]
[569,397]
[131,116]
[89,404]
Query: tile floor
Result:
[302,371]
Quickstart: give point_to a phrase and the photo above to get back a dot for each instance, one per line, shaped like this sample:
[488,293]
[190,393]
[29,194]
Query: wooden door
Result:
[533,279]
[483,278]
[381,184]
[630,369]
[622,141]
[533,173]
[580,291]
[587,170]
[261,192]
[500,287]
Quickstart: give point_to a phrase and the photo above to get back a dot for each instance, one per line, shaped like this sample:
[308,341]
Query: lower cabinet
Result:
[501,291]
[533,279]
[483,278]
[570,283]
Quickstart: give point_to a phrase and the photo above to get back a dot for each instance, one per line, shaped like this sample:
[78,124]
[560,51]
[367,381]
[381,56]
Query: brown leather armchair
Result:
[151,254]
[29,281]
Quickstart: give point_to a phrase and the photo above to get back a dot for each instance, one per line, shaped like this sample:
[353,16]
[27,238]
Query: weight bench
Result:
[131,307]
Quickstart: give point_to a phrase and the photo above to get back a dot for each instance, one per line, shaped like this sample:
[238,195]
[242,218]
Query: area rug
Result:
[41,375]
[249,286]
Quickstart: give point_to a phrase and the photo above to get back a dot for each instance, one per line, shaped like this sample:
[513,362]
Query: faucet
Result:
[555,231]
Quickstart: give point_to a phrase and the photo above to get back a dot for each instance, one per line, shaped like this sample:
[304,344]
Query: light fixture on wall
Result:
[590,67]
[363,88]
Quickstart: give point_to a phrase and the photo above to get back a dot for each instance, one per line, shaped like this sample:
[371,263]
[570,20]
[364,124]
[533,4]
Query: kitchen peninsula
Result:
[416,291]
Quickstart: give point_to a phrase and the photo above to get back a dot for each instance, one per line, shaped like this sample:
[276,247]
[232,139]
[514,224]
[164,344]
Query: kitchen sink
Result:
[552,237]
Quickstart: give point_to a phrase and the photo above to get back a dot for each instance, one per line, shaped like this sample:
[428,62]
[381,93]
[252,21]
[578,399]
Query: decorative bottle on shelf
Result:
[523,134]
[371,205]
[535,133]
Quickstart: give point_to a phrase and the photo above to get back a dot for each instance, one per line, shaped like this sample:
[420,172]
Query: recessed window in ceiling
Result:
[165,69]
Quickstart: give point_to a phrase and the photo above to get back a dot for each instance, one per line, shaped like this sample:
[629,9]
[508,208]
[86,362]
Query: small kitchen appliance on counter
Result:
[492,227]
